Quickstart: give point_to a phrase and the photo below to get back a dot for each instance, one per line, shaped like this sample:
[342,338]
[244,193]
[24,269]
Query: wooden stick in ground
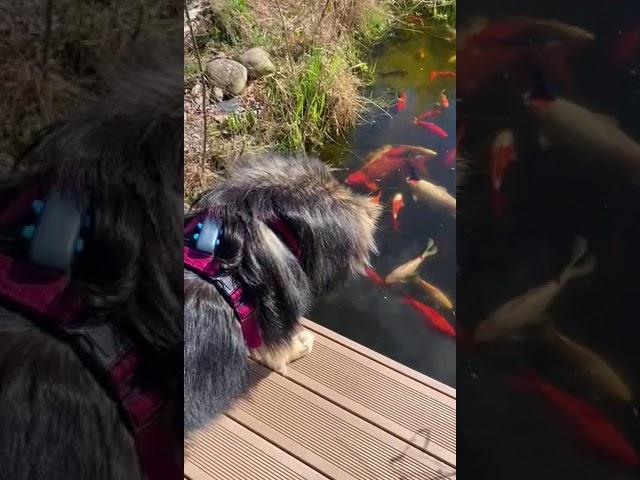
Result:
[204,86]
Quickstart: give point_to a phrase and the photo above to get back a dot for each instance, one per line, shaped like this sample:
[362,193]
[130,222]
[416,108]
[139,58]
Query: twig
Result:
[286,37]
[204,87]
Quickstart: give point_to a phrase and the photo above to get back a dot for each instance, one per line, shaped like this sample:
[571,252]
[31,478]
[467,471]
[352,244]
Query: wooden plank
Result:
[375,356]
[228,451]
[416,413]
[326,437]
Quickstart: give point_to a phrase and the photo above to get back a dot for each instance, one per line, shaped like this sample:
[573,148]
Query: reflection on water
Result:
[549,228]
[415,329]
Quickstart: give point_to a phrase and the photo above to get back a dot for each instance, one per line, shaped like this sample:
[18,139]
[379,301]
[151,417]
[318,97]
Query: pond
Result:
[380,316]
[556,398]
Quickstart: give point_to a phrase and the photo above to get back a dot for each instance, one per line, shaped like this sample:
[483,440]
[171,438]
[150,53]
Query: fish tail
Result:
[431,249]
[582,263]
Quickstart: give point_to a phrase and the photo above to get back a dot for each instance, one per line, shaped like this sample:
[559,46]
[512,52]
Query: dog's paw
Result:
[302,344]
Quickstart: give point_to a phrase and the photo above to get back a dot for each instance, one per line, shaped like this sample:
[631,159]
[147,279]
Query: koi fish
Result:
[502,155]
[410,268]
[587,135]
[433,194]
[529,308]
[433,113]
[396,205]
[431,128]
[430,316]
[402,102]
[433,292]
[594,429]
[441,74]
[627,46]
[360,179]
[422,54]
[377,198]
[374,276]
[450,158]
[592,366]
[444,101]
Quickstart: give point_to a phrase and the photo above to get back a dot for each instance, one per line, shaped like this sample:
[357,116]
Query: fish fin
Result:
[581,263]
[431,250]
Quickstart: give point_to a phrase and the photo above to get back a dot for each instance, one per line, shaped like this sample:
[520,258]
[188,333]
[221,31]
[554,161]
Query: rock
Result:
[229,76]
[196,91]
[257,62]
[218,94]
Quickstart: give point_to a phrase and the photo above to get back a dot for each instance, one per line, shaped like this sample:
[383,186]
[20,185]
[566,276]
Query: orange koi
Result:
[402,102]
[438,74]
[430,316]
[594,429]
[501,157]
[360,179]
[433,113]
[374,276]
[396,205]
[431,128]
[444,101]
[377,198]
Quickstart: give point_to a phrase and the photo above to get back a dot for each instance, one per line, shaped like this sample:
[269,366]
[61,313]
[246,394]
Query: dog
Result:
[291,232]
[122,159]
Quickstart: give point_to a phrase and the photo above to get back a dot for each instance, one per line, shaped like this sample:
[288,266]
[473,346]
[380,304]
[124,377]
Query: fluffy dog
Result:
[123,159]
[334,229]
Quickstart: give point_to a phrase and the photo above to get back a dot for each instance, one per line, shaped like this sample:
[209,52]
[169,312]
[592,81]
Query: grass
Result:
[84,37]
[319,48]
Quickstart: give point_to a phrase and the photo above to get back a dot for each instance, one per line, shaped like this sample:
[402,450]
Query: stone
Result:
[257,62]
[228,75]
[218,94]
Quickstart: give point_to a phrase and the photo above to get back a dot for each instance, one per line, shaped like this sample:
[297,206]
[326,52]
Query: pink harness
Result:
[207,267]
[48,297]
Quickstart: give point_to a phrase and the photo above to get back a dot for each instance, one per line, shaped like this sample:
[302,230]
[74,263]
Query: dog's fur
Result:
[335,230]
[123,157]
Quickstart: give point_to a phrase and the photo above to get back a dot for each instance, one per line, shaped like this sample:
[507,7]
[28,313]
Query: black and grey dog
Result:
[122,159]
[333,228]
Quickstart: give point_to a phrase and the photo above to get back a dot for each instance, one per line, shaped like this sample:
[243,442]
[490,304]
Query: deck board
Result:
[343,412]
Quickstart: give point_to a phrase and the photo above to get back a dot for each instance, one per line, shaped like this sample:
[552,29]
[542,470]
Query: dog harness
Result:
[35,280]
[202,237]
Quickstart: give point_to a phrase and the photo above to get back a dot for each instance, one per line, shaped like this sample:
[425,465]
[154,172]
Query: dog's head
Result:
[333,227]
[122,159]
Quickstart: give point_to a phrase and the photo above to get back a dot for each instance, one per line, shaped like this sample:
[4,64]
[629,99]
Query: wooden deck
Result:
[343,413]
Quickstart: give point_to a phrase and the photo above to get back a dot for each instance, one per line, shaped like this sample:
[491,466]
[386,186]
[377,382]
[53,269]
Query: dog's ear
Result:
[334,226]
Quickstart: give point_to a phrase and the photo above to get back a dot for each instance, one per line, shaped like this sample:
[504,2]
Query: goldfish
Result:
[359,178]
[594,429]
[431,128]
[374,276]
[528,308]
[441,74]
[502,155]
[433,194]
[444,101]
[585,134]
[592,366]
[410,268]
[396,205]
[402,102]
[433,113]
[450,158]
[431,316]
[433,291]
[627,46]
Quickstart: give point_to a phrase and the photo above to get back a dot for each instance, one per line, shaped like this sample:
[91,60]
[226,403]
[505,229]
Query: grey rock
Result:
[218,94]
[257,62]
[229,76]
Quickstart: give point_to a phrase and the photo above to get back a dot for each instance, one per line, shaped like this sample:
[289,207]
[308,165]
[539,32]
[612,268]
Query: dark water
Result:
[362,310]
[553,196]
